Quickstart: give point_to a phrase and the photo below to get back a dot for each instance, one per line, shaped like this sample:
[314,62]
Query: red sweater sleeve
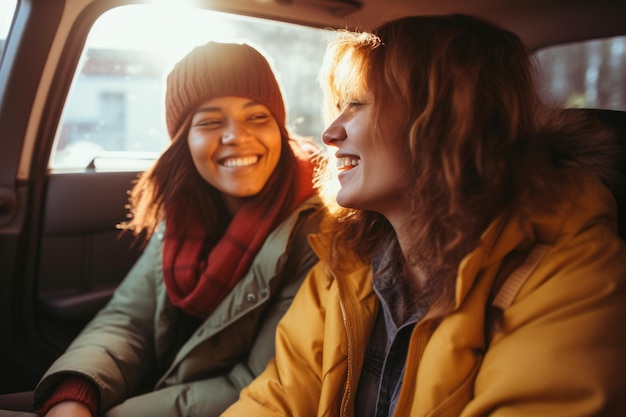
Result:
[73,388]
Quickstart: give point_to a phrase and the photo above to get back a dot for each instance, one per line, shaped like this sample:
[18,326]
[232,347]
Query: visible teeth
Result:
[241,162]
[347,161]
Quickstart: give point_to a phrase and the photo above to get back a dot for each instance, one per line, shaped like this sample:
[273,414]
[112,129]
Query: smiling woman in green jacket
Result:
[228,208]
[474,268]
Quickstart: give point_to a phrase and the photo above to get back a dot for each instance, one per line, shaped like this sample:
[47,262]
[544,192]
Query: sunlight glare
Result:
[170,30]
[7,10]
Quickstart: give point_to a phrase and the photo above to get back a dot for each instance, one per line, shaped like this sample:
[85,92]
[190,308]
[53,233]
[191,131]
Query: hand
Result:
[69,409]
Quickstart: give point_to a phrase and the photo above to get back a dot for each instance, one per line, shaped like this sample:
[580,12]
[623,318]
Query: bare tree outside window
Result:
[588,74]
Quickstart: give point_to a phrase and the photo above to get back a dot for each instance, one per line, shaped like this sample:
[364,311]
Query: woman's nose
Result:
[333,133]
[233,133]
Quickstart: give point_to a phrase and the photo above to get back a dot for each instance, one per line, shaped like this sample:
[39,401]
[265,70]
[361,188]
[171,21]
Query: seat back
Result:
[616,120]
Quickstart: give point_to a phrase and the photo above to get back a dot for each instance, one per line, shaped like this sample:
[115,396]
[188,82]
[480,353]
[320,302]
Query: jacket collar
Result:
[586,201]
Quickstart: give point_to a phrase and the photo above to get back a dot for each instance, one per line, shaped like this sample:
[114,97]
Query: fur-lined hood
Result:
[577,141]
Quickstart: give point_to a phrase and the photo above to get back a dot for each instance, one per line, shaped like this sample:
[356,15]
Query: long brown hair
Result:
[479,139]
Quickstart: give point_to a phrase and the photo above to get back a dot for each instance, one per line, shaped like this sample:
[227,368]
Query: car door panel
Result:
[83,256]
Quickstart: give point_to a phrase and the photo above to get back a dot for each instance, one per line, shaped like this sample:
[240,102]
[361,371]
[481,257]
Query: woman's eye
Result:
[259,117]
[210,123]
[348,105]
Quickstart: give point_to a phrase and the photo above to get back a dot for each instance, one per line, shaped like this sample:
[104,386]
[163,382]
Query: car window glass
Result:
[7,10]
[113,118]
[586,74]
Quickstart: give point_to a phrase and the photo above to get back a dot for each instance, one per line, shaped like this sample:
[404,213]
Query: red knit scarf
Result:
[196,285]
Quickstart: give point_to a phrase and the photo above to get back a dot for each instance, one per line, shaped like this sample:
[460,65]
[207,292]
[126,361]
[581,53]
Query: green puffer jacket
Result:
[135,351]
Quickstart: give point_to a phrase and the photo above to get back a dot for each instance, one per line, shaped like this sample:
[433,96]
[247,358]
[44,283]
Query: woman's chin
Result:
[347,200]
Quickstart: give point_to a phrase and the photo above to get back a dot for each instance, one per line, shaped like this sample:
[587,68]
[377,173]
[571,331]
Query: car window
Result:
[7,10]
[113,118]
[586,74]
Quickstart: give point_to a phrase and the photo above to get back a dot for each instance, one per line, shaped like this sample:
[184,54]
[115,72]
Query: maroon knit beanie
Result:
[219,70]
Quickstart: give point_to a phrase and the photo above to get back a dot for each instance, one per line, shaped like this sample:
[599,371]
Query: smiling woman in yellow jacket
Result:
[474,267]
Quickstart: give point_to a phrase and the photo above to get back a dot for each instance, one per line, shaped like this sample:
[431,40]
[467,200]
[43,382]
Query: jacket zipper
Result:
[347,390]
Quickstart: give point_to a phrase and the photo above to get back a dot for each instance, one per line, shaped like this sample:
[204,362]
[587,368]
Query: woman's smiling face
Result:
[235,145]
[371,168]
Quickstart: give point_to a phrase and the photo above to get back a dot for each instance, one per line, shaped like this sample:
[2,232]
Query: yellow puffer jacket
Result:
[560,349]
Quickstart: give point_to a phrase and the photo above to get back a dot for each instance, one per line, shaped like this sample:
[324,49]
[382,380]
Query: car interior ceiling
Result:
[537,22]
